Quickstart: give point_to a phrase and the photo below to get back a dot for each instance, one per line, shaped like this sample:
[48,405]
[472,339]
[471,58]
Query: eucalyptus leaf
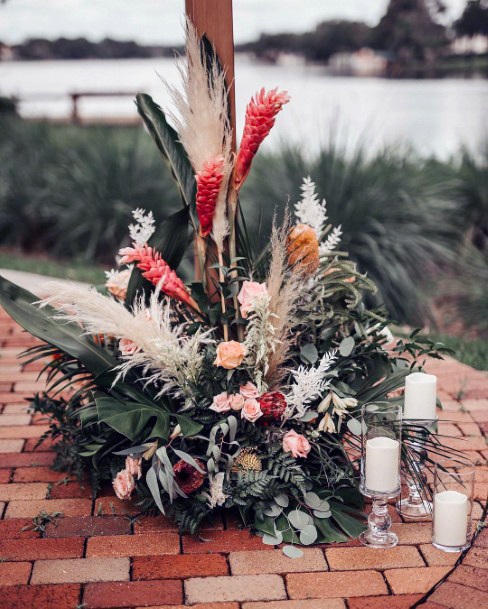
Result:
[273,510]
[232,423]
[299,519]
[354,426]
[319,514]
[308,535]
[309,353]
[313,500]
[272,540]
[153,486]
[292,552]
[310,415]
[188,459]
[282,500]
[346,347]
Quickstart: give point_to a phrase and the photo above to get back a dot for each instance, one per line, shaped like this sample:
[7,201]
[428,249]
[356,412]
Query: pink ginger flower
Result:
[261,114]
[157,271]
[209,182]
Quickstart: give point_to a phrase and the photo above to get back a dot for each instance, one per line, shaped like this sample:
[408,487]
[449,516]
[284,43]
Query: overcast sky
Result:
[159,21]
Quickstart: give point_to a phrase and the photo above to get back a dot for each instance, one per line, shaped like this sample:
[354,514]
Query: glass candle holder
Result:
[453,501]
[416,507]
[381,438]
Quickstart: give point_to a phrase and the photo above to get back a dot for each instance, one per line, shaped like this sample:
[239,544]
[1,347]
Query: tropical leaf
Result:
[169,145]
[132,419]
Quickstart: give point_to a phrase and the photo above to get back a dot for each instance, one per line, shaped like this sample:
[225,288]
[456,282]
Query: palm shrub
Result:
[400,222]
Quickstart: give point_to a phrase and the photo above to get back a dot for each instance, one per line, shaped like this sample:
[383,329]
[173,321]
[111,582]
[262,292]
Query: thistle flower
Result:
[273,405]
[261,114]
[209,182]
[157,271]
[303,249]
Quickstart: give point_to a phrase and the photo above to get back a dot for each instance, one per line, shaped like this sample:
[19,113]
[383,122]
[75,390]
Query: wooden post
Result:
[214,19]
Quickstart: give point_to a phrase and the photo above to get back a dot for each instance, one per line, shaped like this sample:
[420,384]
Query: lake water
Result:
[433,116]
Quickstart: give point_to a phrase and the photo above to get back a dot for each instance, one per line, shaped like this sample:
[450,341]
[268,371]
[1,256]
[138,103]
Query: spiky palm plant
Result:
[400,223]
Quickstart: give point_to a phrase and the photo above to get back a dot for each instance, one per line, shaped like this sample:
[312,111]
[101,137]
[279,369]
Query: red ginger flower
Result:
[261,114]
[157,271]
[273,405]
[209,182]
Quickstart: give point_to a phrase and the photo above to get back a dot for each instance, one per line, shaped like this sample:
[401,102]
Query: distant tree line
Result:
[81,48]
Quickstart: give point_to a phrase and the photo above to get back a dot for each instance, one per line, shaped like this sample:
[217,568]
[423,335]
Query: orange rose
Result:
[230,355]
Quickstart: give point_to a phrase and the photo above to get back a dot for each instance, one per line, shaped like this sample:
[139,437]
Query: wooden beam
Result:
[214,19]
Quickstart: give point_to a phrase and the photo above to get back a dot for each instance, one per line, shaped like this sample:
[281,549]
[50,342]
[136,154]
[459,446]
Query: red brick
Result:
[80,570]
[236,588]
[154,524]
[65,596]
[404,601]
[26,459]
[33,445]
[71,490]
[413,533]
[411,581]
[111,506]
[254,562]
[88,526]
[178,567]
[351,559]
[223,541]
[68,507]
[5,475]
[477,557]
[13,573]
[331,603]
[456,596]
[209,606]
[11,446]
[22,491]
[435,557]
[37,474]
[130,594]
[22,431]
[335,584]
[481,540]
[12,528]
[38,549]
[470,576]
[134,545]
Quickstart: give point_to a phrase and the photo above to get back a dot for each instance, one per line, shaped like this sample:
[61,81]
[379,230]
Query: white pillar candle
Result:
[382,464]
[450,518]
[420,396]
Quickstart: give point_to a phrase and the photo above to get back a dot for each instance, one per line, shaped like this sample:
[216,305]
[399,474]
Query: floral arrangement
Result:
[242,389]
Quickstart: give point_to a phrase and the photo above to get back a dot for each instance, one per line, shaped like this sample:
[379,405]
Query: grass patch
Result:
[76,271]
[470,351]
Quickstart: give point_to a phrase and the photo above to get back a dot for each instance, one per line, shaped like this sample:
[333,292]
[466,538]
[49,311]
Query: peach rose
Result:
[236,401]
[250,292]
[296,444]
[124,484]
[230,355]
[117,283]
[127,346]
[133,466]
[249,390]
[221,402]
[251,410]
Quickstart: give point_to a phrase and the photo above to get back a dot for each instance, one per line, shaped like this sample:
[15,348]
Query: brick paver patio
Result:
[95,557]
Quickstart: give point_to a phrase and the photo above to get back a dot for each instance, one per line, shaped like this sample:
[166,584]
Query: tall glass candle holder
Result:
[380,468]
[453,501]
[416,507]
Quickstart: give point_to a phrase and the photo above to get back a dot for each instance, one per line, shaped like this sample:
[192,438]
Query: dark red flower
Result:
[273,405]
[187,477]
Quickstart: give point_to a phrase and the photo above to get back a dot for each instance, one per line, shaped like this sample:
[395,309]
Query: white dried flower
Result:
[310,210]
[216,496]
[117,282]
[143,229]
[309,385]
[327,424]
[332,241]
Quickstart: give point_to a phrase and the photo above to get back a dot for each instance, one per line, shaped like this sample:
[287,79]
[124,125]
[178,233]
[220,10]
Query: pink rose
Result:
[133,466]
[236,401]
[124,484]
[296,444]
[251,410]
[127,346]
[250,292]
[221,402]
[230,355]
[249,390]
